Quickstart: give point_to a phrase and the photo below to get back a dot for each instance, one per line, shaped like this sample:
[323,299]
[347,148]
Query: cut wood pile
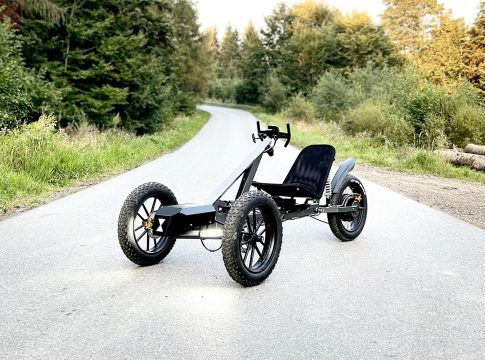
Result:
[473,156]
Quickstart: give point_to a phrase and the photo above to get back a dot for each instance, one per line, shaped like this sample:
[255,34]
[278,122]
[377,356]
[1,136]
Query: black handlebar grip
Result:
[288,132]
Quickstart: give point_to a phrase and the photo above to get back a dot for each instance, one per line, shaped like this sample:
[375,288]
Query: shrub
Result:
[332,96]
[223,89]
[299,108]
[433,133]
[468,125]
[275,94]
[378,120]
[247,92]
[16,103]
[422,103]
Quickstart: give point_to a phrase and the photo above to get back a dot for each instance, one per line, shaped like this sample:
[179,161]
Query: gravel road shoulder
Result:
[462,199]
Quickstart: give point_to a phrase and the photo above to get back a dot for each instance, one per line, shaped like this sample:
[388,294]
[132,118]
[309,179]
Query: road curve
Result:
[411,287]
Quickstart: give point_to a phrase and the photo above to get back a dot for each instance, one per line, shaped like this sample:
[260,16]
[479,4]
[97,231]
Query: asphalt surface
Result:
[412,286]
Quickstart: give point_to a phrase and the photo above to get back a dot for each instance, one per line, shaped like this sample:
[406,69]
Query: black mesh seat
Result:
[307,176]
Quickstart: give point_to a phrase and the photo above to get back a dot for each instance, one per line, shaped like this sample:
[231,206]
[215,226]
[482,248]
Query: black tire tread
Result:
[125,216]
[333,219]
[230,235]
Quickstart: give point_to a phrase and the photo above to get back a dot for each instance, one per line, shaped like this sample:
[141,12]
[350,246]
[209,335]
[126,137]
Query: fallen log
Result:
[475,149]
[464,159]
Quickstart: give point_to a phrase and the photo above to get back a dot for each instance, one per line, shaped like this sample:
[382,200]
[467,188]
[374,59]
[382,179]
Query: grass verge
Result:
[37,160]
[372,152]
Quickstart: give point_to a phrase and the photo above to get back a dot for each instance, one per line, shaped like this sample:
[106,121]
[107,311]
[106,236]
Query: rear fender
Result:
[341,173]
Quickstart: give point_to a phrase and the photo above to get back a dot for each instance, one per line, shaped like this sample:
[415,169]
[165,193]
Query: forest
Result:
[416,78]
[89,88]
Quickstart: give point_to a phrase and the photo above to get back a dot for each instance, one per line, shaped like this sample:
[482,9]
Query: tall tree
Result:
[253,67]
[229,54]
[409,23]
[360,42]
[276,35]
[108,58]
[189,62]
[208,58]
[312,44]
[476,52]
[443,59]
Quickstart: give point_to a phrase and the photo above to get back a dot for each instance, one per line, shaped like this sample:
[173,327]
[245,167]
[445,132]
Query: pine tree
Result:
[253,67]
[189,58]
[108,58]
[229,55]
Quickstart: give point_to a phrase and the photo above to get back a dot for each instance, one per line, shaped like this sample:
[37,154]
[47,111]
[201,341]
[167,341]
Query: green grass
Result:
[372,152]
[36,161]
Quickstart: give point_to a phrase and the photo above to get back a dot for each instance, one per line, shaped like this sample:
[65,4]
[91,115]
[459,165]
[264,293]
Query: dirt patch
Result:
[462,199]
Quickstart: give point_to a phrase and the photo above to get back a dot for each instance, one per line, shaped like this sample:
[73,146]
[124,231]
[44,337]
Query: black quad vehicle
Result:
[250,226]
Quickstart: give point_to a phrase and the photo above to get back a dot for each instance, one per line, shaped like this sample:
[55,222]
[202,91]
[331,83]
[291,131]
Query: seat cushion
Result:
[289,190]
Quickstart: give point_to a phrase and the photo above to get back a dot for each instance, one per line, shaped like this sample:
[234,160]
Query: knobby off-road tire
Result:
[139,206]
[347,227]
[251,241]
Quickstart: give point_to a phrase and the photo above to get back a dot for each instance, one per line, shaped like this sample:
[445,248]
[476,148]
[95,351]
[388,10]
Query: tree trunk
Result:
[464,159]
[475,149]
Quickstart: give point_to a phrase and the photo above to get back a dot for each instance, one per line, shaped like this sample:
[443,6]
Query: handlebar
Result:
[274,133]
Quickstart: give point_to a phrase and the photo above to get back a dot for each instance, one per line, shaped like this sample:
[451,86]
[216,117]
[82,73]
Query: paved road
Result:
[411,287]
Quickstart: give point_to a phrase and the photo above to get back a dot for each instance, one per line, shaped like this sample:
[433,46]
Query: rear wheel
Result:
[348,226]
[252,237]
[135,233]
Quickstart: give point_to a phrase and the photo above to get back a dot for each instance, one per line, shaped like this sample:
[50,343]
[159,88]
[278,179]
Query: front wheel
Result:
[347,226]
[251,241]
[135,233]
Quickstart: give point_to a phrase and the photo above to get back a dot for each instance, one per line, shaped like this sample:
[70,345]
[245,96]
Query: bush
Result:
[378,120]
[16,105]
[247,92]
[299,108]
[468,125]
[332,96]
[433,133]
[223,89]
[423,103]
[275,94]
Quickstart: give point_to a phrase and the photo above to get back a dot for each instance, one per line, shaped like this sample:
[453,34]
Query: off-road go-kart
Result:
[250,226]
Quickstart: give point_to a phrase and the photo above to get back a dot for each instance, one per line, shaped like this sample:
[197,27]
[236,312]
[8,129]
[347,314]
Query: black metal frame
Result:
[205,221]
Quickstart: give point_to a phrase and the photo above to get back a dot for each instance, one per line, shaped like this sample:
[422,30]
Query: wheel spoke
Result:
[153,205]
[262,242]
[249,225]
[148,242]
[258,251]
[259,224]
[255,223]
[144,208]
[262,231]
[139,237]
[251,258]
[139,227]
[141,217]
[246,254]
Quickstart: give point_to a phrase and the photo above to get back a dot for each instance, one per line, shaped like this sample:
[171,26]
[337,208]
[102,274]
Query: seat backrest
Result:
[311,168]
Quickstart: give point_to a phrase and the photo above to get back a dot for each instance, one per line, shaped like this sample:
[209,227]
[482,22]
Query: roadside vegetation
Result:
[368,150]
[390,94]
[39,159]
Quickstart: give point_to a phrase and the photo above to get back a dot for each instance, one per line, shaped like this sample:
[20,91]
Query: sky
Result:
[239,13]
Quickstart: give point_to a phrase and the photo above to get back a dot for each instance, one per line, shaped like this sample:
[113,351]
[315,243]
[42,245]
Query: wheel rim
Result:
[352,221]
[142,227]
[257,240]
